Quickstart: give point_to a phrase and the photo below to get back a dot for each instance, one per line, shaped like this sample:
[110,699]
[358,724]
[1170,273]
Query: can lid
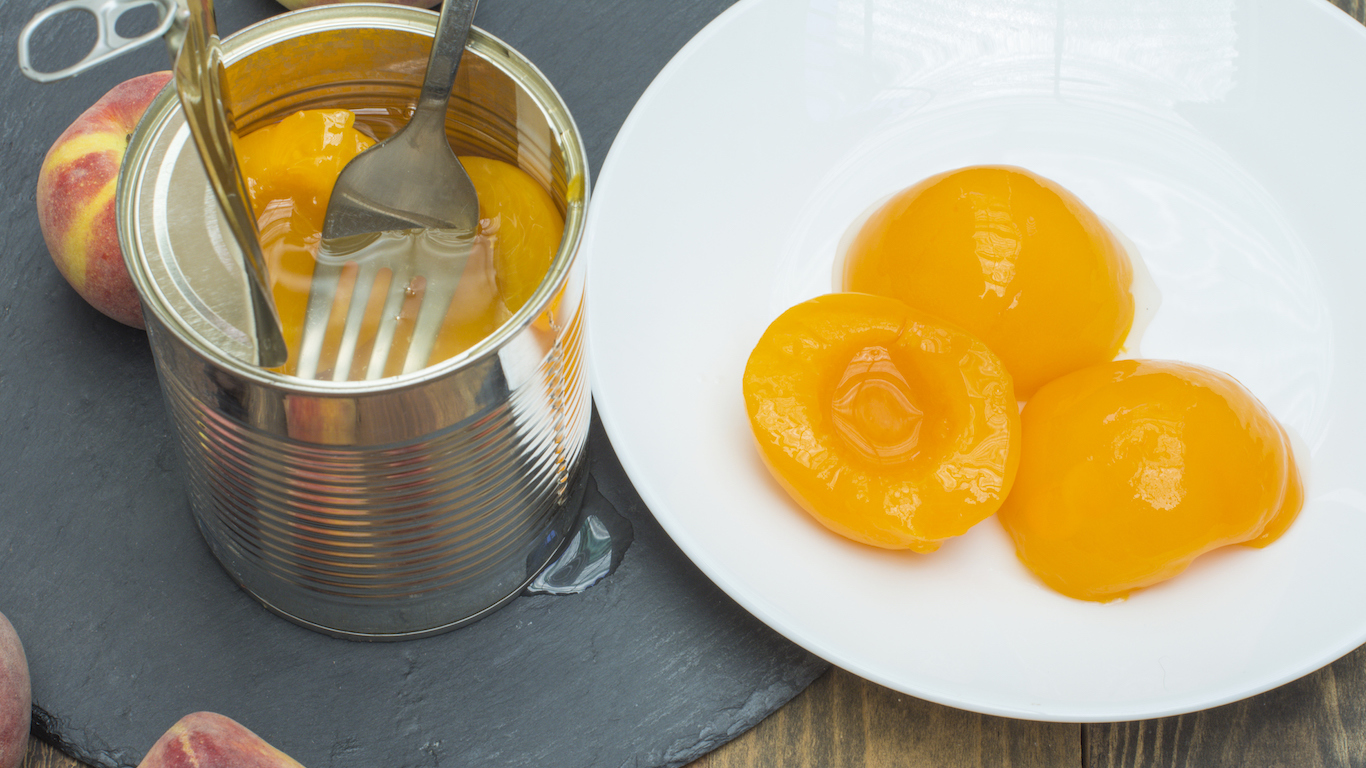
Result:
[183,243]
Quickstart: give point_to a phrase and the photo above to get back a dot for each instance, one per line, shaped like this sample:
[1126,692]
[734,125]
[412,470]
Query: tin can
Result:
[387,509]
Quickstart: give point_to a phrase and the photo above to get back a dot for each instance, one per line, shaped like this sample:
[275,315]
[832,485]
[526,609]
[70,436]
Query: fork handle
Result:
[452,30]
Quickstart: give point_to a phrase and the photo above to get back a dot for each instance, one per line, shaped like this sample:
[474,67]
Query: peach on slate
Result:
[16,710]
[76,198]
[207,740]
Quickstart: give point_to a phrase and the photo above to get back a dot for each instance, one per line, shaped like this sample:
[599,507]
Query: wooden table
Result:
[843,721]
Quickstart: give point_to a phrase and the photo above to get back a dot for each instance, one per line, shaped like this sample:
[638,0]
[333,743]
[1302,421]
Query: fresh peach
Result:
[76,198]
[16,709]
[207,740]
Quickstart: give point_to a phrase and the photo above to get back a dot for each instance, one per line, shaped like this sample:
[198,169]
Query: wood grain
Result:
[42,755]
[843,721]
[1354,8]
[1318,721]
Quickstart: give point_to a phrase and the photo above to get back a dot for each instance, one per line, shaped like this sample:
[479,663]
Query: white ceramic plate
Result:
[1222,137]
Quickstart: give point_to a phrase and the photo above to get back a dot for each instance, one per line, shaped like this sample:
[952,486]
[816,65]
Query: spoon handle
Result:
[451,32]
[199,78]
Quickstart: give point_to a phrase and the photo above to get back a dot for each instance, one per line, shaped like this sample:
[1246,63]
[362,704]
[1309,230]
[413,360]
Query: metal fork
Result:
[405,206]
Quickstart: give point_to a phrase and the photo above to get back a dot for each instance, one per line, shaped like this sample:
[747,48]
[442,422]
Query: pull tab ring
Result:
[108,42]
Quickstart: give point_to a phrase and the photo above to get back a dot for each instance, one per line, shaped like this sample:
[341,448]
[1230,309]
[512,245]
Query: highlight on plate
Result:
[889,413]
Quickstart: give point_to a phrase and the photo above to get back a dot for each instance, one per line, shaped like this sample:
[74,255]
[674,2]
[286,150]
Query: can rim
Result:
[371,16]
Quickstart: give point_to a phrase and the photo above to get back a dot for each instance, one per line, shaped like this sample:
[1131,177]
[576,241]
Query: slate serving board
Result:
[128,621]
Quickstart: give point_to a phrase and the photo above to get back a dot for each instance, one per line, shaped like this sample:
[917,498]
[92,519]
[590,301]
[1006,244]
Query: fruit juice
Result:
[291,167]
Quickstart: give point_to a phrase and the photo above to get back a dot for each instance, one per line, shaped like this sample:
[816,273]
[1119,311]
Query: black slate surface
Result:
[130,624]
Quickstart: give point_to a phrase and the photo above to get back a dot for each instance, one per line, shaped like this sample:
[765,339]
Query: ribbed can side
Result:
[373,540]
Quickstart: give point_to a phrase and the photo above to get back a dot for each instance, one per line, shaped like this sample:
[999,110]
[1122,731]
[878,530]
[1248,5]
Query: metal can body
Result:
[388,509]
